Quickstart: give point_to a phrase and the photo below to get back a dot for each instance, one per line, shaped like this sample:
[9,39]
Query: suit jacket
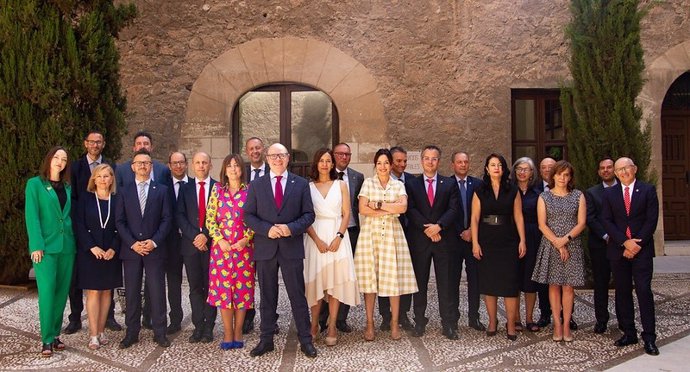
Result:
[88,225]
[403,217]
[472,184]
[187,216]
[355,181]
[248,170]
[154,224]
[49,228]
[125,175]
[644,214]
[419,212]
[261,213]
[81,172]
[593,197]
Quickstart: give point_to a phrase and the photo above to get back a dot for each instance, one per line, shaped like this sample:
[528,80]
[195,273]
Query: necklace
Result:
[100,214]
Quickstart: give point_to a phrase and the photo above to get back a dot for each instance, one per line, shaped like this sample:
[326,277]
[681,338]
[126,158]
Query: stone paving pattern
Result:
[20,342]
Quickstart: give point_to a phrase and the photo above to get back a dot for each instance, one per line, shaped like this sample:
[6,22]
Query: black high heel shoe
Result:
[511,337]
[490,333]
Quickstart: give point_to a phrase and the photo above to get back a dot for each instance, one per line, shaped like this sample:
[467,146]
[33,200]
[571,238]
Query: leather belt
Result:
[497,219]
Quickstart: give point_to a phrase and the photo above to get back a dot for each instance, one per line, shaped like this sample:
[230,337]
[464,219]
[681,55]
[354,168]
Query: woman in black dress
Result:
[99,268]
[523,177]
[498,241]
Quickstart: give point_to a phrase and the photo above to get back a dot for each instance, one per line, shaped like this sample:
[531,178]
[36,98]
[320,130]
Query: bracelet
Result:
[379,204]
[339,234]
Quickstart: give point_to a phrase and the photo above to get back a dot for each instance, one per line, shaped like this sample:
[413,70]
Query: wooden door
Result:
[675,129]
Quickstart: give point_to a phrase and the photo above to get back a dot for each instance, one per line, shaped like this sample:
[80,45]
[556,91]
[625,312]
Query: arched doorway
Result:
[675,144]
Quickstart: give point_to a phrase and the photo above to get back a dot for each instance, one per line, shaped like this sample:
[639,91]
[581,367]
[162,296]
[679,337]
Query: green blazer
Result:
[48,227]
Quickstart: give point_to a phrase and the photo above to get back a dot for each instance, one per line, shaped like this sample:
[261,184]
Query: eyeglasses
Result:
[282,156]
[342,154]
[523,170]
[626,168]
[178,163]
[142,163]
[91,143]
[427,158]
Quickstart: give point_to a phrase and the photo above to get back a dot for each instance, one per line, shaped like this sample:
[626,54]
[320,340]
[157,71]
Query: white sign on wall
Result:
[414,162]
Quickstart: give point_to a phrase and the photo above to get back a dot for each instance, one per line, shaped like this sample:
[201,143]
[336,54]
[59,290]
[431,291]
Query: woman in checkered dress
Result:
[382,258]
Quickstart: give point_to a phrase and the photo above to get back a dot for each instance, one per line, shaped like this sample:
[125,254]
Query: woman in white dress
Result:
[329,270]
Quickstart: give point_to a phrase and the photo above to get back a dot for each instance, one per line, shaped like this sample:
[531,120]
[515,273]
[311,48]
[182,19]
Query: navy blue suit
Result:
[423,249]
[297,212]
[642,221]
[465,254]
[196,262]
[125,174]
[132,227]
[601,269]
[80,174]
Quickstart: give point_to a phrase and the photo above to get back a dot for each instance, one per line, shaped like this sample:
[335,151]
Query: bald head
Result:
[626,170]
[201,163]
[278,158]
[545,168]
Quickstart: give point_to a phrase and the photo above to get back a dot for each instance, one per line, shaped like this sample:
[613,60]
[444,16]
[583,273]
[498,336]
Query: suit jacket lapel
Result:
[48,187]
[351,181]
[636,194]
[289,185]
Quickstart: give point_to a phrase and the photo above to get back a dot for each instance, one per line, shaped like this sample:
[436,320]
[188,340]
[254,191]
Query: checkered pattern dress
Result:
[382,258]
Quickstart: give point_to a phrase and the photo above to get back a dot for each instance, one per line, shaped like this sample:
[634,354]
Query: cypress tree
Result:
[58,79]
[606,65]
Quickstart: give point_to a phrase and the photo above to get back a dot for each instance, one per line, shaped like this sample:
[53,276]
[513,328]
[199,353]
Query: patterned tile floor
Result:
[19,343]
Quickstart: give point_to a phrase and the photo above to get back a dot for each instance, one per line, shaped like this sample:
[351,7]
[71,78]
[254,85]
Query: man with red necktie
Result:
[630,213]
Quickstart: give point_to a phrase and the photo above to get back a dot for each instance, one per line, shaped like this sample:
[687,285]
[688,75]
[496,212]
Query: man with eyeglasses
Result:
[630,212]
[432,202]
[143,219]
[353,181]
[598,240]
[466,186]
[177,163]
[279,210]
[81,168]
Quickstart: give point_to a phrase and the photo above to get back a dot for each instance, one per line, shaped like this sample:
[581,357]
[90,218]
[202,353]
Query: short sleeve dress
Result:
[230,274]
[382,258]
[561,217]
[498,270]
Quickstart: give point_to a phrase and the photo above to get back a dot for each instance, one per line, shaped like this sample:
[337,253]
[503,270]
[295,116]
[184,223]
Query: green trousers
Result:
[53,277]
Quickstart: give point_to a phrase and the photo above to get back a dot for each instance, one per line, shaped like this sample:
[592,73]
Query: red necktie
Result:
[626,200]
[279,192]
[430,191]
[202,204]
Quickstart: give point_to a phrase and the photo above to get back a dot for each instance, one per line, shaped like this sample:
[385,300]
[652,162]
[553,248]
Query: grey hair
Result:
[525,160]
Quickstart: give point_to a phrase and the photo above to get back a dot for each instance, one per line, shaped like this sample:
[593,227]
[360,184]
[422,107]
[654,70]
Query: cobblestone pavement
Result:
[20,342]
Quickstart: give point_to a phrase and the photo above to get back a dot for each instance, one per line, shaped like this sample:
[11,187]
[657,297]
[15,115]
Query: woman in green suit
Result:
[51,242]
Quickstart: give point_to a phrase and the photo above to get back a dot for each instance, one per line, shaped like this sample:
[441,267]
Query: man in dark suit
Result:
[629,215]
[94,143]
[432,202]
[598,240]
[255,168]
[354,181]
[398,173]
[143,220]
[278,241]
[177,162]
[159,174]
[466,186]
[191,219]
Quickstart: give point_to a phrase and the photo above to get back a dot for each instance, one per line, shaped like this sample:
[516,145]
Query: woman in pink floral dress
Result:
[231,270]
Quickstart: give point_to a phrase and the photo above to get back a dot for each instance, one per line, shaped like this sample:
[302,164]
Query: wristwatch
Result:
[378,205]
[339,234]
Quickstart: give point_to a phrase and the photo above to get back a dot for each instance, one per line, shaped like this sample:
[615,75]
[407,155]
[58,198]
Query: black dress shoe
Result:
[650,348]
[385,324]
[128,341]
[544,321]
[162,341]
[146,323]
[626,340]
[450,333]
[262,348]
[342,326]
[476,324]
[173,328]
[405,323]
[207,337]
[72,327]
[573,324]
[418,330]
[195,337]
[600,327]
[308,350]
[113,325]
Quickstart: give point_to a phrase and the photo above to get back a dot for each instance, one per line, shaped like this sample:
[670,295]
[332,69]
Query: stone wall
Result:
[444,69]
